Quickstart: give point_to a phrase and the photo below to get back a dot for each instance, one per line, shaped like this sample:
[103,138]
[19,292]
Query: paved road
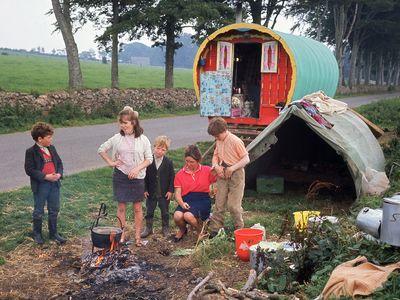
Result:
[77,146]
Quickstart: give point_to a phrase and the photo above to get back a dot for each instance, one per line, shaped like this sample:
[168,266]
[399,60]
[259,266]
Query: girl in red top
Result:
[192,187]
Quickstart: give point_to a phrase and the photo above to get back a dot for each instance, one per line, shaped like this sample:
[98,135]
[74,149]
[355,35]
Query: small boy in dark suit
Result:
[45,169]
[159,186]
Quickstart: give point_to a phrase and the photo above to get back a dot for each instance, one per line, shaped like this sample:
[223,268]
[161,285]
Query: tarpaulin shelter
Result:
[298,148]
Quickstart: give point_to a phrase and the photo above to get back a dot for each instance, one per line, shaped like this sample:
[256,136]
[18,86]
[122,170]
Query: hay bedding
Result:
[54,272]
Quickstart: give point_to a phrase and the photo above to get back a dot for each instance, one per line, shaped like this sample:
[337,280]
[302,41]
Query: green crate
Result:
[267,184]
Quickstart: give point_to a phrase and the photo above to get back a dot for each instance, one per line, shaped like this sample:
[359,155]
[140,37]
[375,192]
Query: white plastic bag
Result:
[374,182]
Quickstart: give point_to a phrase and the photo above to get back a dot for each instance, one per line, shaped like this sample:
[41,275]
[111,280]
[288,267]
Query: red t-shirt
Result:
[49,167]
[199,181]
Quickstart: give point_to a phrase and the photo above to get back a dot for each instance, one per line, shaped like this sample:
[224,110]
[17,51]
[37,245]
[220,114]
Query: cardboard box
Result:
[268,184]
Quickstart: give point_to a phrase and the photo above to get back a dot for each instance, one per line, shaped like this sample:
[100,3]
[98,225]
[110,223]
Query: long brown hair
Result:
[133,117]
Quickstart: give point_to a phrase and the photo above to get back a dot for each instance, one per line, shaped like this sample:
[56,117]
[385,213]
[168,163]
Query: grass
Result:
[83,193]
[38,75]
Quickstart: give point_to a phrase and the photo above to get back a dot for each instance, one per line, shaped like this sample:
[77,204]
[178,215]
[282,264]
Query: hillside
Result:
[184,56]
[38,74]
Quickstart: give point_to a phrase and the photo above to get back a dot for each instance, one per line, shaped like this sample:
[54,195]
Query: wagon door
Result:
[216,86]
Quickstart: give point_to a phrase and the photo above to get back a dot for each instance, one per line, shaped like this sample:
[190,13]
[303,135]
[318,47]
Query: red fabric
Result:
[48,167]
[198,182]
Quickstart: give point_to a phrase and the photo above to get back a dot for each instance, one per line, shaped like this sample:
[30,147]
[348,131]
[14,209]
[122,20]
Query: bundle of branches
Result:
[214,289]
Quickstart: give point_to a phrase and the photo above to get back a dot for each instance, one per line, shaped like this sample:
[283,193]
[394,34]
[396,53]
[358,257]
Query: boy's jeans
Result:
[50,192]
[229,195]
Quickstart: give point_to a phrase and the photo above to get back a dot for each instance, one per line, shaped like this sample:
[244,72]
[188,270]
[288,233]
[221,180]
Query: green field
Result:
[40,74]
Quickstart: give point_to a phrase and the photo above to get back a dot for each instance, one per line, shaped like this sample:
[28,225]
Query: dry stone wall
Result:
[91,100]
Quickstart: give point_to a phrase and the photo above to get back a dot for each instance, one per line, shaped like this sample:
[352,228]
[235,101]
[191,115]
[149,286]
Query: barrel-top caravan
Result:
[247,72]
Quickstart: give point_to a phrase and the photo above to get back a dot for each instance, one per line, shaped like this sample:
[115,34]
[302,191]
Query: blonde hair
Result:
[162,141]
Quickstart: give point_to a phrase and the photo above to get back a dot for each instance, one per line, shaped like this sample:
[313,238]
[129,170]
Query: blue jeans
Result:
[50,192]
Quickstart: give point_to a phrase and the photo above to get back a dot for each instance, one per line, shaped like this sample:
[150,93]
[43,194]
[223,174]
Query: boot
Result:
[37,231]
[165,225]
[53,234]
[149,228]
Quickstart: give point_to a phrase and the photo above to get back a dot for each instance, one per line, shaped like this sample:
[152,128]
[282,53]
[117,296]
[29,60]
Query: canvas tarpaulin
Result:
[350,137]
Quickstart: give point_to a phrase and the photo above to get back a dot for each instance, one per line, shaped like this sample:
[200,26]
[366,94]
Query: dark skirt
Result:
[200,205]
[125,189]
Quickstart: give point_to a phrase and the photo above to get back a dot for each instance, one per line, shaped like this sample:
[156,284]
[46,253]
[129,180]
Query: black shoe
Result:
[37,237]
[53,235]
[165,231]
[58,238]
[37,231]
[176,239]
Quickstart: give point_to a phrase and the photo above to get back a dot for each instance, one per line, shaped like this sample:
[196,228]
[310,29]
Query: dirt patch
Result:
[54,272]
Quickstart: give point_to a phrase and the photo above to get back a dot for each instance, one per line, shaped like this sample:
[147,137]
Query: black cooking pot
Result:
[103,236]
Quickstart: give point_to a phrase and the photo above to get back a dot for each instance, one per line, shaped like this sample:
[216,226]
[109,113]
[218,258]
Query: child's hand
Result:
[228,172]
[219,170]
[116,163]
[52,177]
[146,195]
[133,173]
[168,195]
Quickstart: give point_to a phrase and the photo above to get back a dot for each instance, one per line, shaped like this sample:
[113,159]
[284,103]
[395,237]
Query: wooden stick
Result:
[251,281]
[197,287]
[208,150]
[261,275]
[376,130]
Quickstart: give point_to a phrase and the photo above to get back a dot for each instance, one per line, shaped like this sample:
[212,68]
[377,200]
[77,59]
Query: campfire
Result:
[111,264]
[111,258]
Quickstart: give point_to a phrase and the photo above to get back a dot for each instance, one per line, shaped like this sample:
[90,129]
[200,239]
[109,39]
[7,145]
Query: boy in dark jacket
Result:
[159,186]
[45,168]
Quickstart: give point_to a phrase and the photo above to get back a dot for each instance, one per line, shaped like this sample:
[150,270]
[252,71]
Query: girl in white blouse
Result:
[130,155]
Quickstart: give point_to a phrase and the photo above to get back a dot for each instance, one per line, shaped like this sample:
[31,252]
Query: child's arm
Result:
[59,166]
[30,169]
[240,164]
[215,164]
[171,176]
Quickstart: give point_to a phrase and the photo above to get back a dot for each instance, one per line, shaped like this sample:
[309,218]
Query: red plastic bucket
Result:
[244,238]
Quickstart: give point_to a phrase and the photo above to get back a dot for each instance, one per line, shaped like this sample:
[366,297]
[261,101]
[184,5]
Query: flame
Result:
[100,258]
[114,247]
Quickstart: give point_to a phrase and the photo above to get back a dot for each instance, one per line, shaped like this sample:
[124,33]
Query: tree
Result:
[165,20]
[110,14]
[262,12]
[62,12]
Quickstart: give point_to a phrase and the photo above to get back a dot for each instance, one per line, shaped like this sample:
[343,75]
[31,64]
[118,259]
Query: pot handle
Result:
[102,213]
[120,223]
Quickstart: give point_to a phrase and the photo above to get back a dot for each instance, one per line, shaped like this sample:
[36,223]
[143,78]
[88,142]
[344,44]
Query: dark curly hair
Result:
[41,129]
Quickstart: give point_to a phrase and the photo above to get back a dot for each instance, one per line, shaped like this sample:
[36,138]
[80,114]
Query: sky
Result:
[25,25]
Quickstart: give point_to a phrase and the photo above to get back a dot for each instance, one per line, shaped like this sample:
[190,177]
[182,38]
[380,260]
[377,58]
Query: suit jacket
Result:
[34,163]
[167,175]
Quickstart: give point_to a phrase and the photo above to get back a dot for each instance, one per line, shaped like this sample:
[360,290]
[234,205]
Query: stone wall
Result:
[90,100]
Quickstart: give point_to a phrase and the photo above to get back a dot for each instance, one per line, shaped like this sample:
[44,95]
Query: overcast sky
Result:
[25,25]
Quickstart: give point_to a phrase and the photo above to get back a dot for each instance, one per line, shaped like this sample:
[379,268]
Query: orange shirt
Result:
[231,150]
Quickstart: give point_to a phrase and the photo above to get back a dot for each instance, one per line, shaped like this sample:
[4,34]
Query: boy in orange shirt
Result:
[229,159]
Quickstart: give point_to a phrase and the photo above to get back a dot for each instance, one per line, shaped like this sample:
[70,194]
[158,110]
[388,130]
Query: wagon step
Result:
[246,133]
